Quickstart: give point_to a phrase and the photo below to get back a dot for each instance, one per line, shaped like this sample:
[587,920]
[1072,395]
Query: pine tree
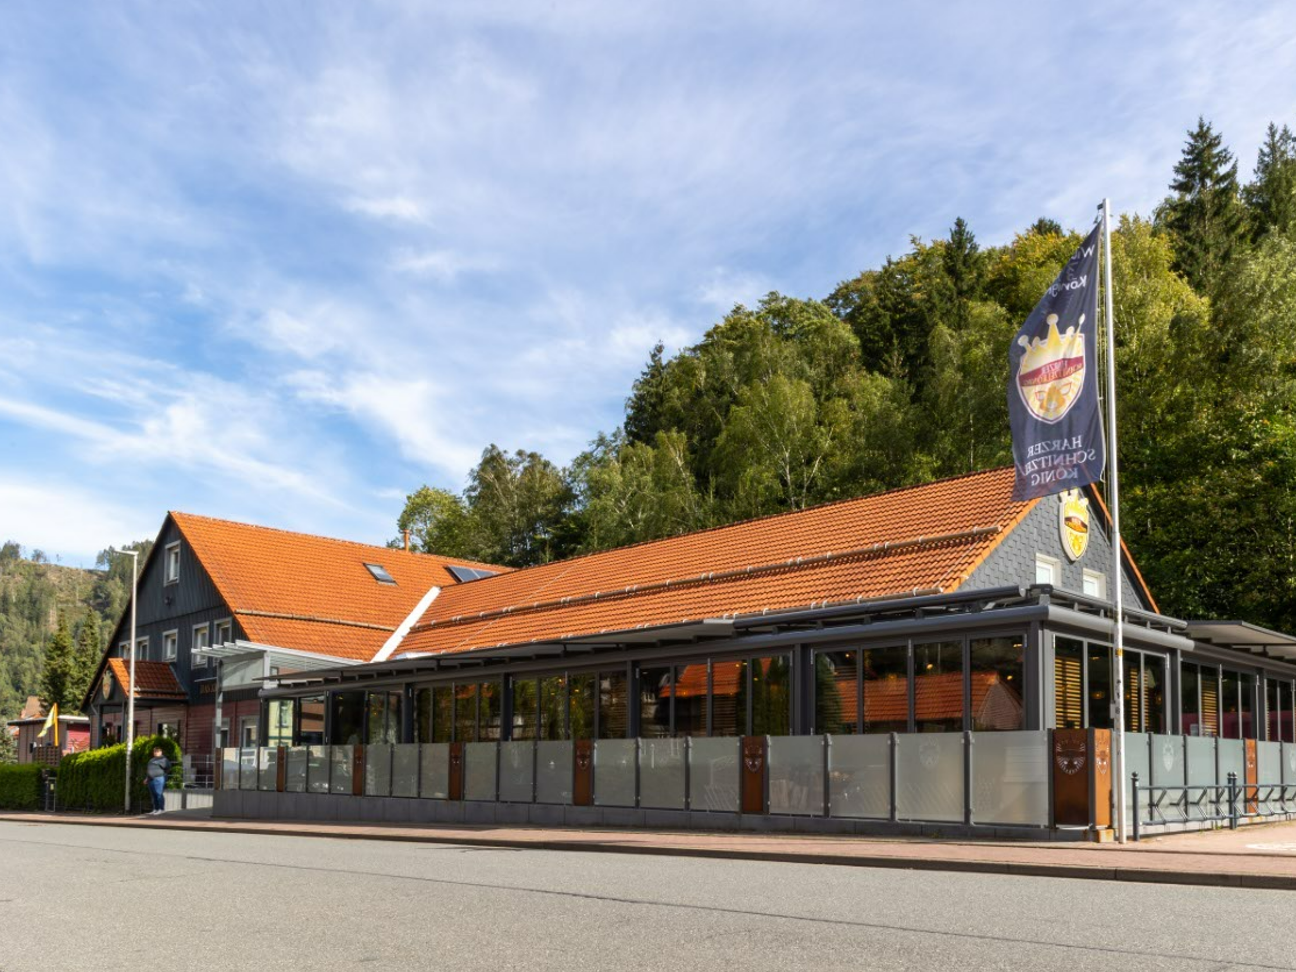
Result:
[85,659]
[8,748]
[1205,215]
[1271,196]
[56,674]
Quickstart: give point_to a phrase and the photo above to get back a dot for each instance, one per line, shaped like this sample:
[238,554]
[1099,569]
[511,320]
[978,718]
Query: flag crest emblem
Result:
[1073,520]
[1051,374]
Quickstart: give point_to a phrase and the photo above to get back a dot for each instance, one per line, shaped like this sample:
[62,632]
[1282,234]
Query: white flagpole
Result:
[1113,498]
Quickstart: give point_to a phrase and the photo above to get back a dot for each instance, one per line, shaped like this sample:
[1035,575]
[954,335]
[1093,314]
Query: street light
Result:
[130,689]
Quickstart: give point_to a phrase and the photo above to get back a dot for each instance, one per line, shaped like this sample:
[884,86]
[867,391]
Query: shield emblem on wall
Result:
[1073,522]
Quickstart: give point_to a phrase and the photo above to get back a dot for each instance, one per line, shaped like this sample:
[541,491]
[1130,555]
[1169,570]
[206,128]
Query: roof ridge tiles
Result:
[179,515]
[868,497]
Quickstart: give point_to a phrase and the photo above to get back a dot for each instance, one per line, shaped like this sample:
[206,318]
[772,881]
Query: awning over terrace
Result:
[1243,636]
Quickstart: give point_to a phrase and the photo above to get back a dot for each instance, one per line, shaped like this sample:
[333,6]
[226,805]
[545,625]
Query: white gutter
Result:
[397,636]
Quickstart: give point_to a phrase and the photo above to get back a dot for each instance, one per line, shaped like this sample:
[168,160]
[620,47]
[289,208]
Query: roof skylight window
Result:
[465,574]
[380,574]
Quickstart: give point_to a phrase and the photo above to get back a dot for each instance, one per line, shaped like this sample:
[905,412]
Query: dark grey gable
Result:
[162,607]
[1013,560]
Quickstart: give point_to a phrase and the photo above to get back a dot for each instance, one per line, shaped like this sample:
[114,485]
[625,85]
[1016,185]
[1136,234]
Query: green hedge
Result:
[95,779]
[20,786]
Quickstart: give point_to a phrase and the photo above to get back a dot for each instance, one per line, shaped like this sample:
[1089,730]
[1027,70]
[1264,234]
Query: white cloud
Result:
[73,521]
[443,265]
[388,207]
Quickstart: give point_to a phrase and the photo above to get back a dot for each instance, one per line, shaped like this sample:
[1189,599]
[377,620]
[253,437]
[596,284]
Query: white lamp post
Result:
[130,689]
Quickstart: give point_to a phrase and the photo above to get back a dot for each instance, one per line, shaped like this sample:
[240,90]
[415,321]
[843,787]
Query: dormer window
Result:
[173,563]
[380,574]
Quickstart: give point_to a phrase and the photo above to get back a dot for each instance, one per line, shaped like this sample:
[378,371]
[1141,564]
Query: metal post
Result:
[130,688]
[1135,794]
[1232,801]
[1118,639]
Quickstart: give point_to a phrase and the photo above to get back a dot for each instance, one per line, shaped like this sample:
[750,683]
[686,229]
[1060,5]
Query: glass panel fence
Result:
[1232,759]
[1200,767]
[1167,762]
[1201,760]
[434,771]
[295,778]
[859,776]
[614,772]
[1010,778]
[247,769]
[662,773]
[713,774]
[405,770]
[517,771]
[1268,771]
[229,769]
[341,769]
[1137,760]
[1289,763]
[553,771]
[479,770]
[929,776]
[268,768]
[796,775]
[317,769]
[377,770]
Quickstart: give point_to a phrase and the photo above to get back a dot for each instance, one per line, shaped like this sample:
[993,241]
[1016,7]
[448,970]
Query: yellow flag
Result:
[50,720]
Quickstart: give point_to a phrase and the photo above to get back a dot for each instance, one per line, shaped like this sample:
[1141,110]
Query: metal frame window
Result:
[577,704]
[1094,583]
[172,563]
[1048,570]
[201,638]
[722,696]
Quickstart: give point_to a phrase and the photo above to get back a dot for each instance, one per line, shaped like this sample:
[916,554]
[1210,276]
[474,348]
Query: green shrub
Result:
[20,786]
[95,779]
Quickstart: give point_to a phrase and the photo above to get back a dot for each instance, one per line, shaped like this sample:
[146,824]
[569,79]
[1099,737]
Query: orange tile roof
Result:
[919,538]
[153,680]
[310,593]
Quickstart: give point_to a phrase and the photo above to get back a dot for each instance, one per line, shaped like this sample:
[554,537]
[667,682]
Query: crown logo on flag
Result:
[1052,371]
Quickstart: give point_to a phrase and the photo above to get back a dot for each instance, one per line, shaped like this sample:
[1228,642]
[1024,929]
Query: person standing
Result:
[156,775]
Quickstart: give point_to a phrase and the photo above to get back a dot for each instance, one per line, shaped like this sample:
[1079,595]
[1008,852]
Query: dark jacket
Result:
[158,767]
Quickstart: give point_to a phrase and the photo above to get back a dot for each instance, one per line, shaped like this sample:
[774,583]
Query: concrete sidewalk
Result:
[1254,857]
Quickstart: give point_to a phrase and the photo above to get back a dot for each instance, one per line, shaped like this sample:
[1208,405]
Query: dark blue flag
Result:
[1057,431]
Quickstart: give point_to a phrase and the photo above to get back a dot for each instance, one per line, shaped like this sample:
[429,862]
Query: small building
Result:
[921,655]
[73,734]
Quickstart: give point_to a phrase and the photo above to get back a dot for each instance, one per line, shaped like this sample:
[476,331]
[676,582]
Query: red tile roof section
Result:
[153,680]
[309,593]
[978,501]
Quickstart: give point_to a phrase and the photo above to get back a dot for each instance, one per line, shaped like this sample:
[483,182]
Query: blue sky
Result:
[286,262]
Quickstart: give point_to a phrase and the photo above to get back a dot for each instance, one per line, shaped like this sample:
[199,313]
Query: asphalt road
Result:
[89,898]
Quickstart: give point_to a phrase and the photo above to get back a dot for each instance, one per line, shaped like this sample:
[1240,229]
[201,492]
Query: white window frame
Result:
[123,650]
[246,723]
[170,644]
[141,649]
[1054,567]
[172,563]
[227,623]
[1100,581]
[201,660]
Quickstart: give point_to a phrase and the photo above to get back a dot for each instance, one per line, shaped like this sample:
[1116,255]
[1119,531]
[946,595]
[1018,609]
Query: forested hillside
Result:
[899,376]
[48,611]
